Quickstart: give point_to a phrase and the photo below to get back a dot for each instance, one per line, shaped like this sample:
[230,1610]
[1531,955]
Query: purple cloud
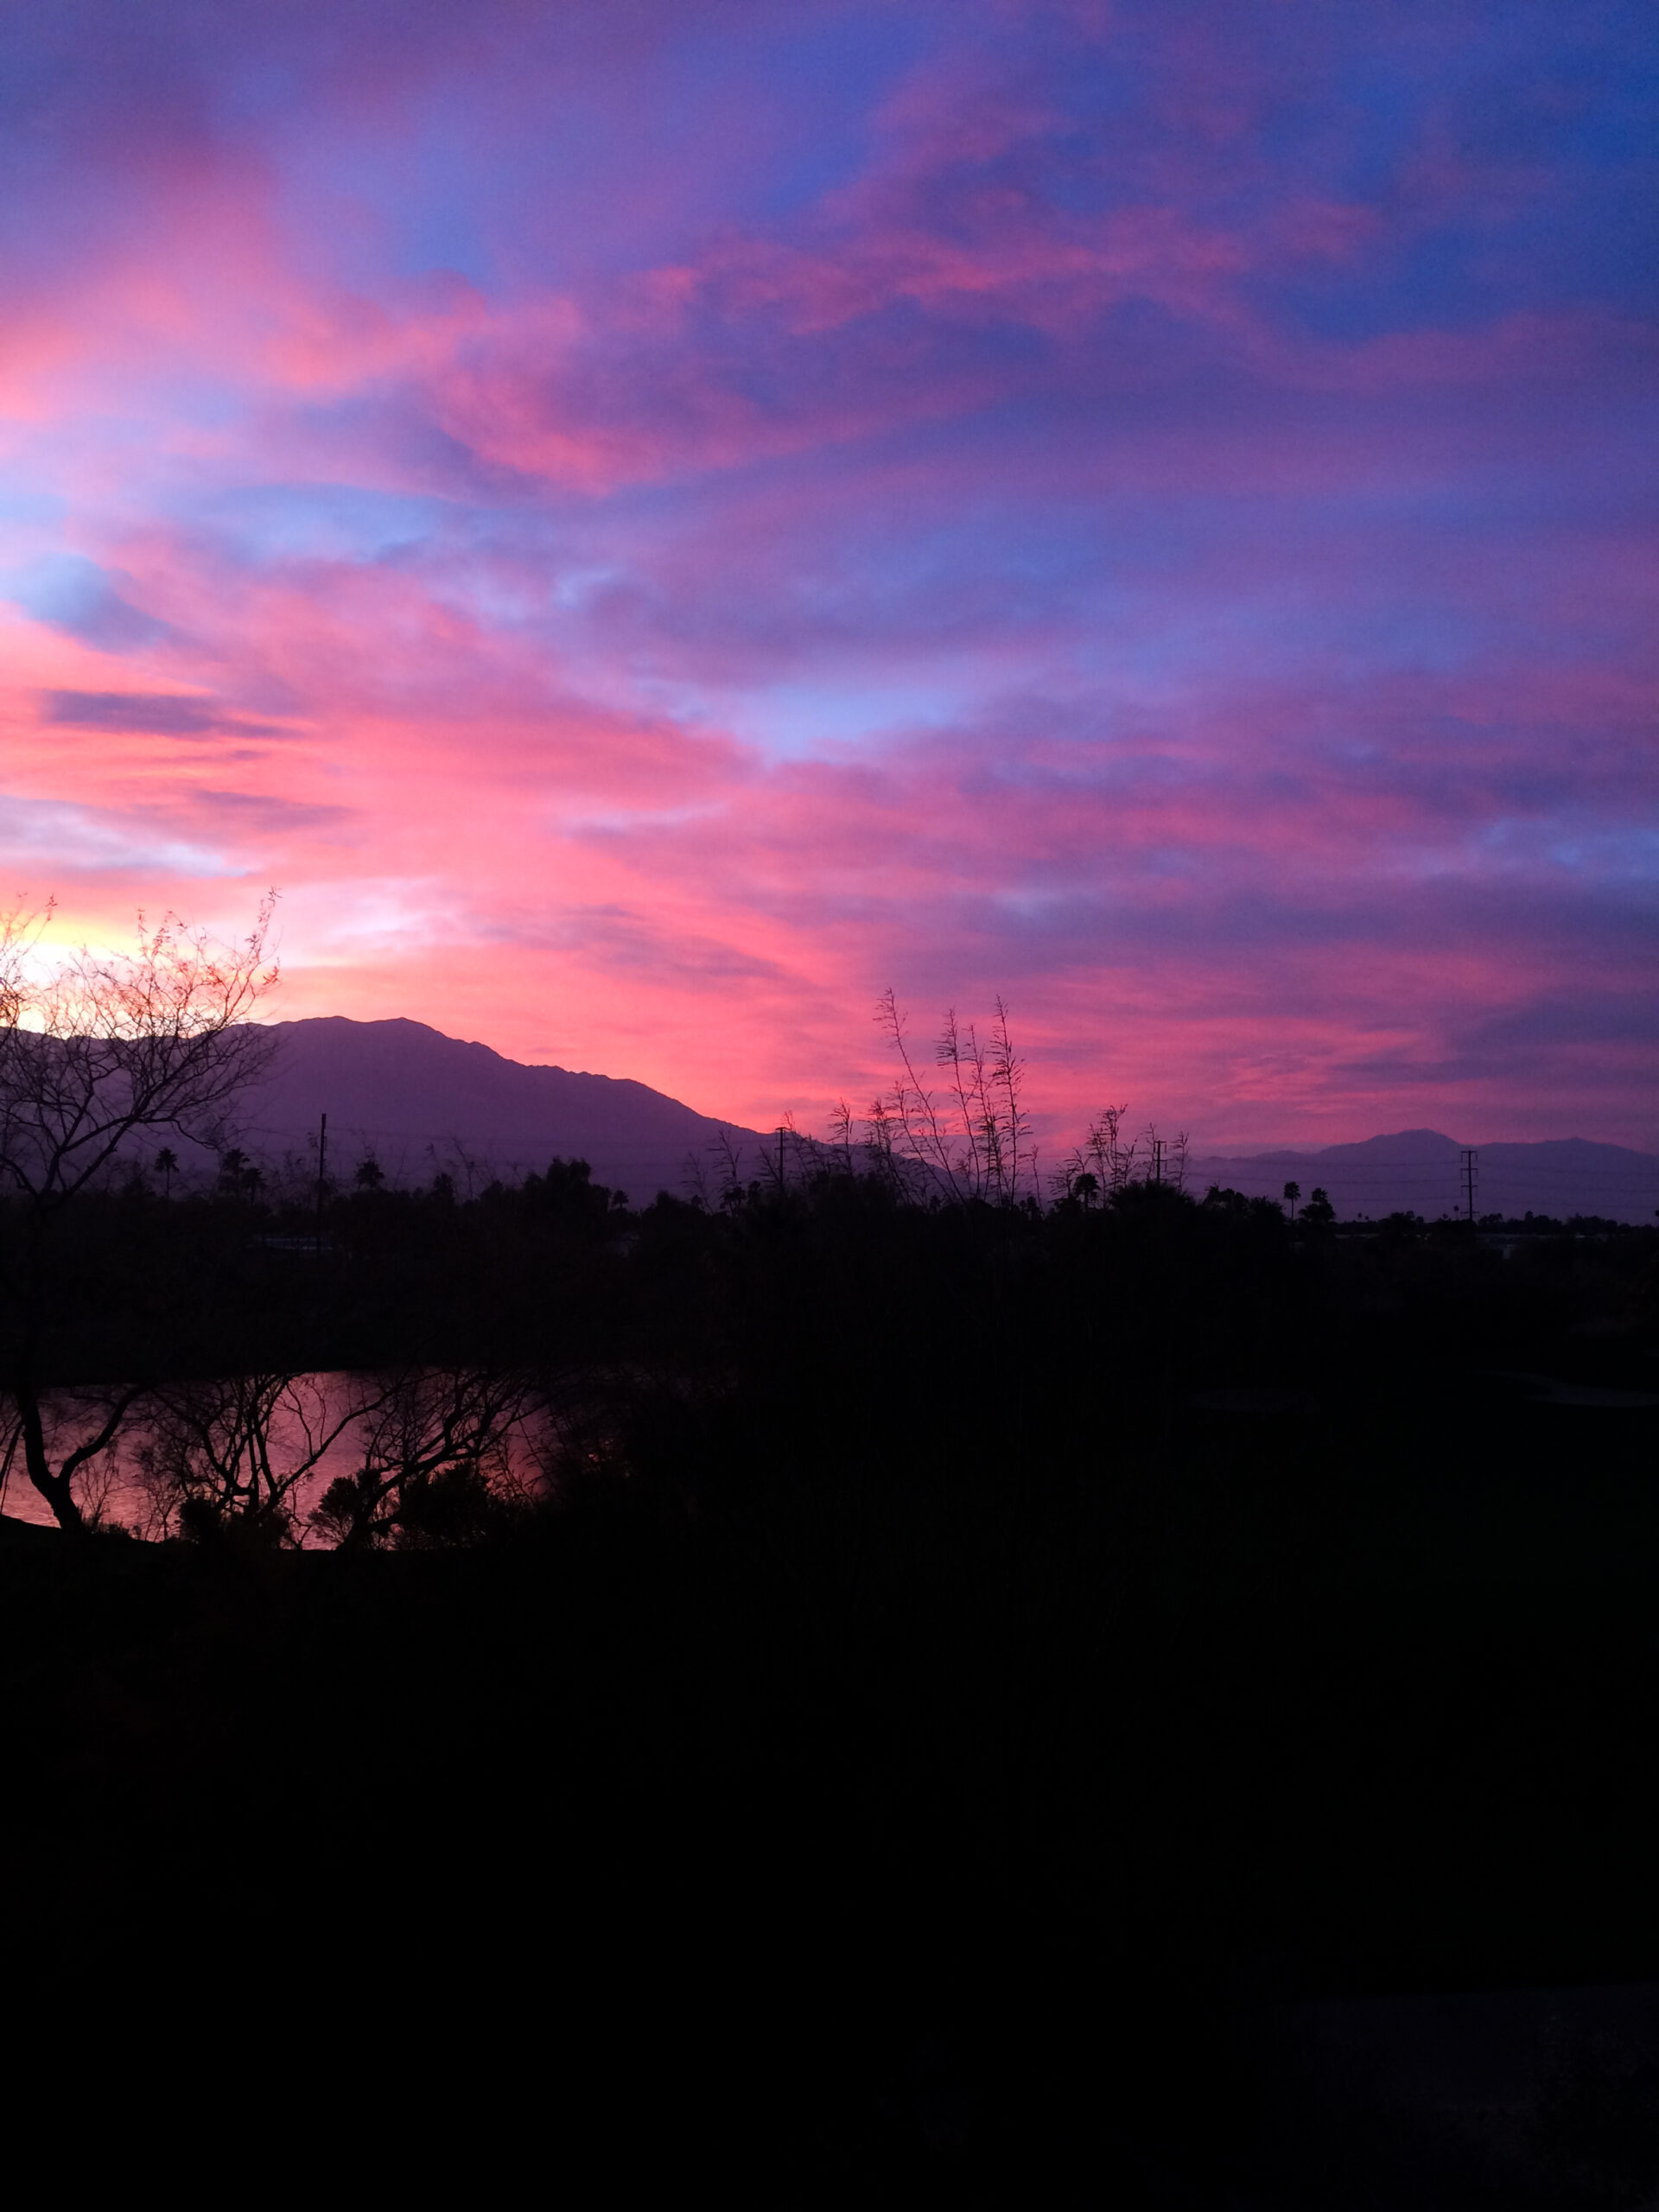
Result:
[1151,510]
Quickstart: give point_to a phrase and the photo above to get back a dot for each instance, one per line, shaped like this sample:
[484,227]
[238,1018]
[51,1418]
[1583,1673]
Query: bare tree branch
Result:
[97,1049]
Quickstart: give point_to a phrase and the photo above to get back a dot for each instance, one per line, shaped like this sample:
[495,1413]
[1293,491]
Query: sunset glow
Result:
[652,524]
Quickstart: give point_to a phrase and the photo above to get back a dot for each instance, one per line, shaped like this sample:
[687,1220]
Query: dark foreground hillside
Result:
[989,1694]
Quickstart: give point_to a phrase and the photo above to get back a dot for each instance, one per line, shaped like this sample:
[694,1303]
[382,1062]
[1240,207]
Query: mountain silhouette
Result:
[1406,1149]
[419,1102]
[1420,1171]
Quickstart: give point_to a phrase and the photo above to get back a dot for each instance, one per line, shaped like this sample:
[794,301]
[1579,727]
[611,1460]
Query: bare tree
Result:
[455,1166]
[1105,1164]
[1102,1164]
[958,1054]
[1010,1124]
[694,1181]
[728,1165]
[982,1150]
[13,1433]
[881,1150]
[235,1450]
[840,1137]
[97,1049]
[432,1447]
[79,1428]
[906,1124]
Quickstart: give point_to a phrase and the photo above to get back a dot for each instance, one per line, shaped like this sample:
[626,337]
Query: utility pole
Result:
[322,1177]
[1157,1159]
[1471,1177]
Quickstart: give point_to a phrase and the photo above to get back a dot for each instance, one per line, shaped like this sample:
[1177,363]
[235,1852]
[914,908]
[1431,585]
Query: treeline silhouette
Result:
[953,1664]
[1110,1307]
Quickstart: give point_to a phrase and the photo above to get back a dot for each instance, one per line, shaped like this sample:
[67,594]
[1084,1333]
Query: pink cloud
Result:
[1116,518]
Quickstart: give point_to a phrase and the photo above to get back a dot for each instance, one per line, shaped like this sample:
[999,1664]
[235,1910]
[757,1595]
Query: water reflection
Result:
[318,1460]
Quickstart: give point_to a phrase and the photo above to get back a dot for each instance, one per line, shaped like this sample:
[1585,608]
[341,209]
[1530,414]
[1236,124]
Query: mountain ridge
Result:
[1420,1171]
[1434,1142]
[419,1102]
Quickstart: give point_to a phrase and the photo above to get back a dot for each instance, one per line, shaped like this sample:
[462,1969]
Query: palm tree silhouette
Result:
[167,1166]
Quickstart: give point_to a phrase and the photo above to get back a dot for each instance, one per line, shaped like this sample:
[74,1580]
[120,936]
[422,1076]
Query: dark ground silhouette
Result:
[978,1682]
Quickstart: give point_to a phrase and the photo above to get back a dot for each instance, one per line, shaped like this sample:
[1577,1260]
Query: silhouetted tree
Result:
[1318,1213]
[982,1150]
[1107,1162]
[568,1196]
[95,1050]
[231,1452]
[433,1454]
[77,1429]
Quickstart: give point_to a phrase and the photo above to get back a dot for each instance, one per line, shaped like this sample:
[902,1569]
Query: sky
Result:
[651,524]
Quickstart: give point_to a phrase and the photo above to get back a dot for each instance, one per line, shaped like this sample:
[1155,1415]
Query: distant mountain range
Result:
[418,1101]
[1420,1171]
